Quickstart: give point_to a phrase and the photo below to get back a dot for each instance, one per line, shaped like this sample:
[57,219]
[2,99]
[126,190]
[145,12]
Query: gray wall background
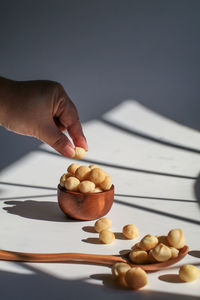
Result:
[104,52]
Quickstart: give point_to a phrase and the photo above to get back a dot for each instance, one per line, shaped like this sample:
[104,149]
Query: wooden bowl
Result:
[88,206]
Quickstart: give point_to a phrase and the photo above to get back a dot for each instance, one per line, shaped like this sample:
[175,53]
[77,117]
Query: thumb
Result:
[58,140]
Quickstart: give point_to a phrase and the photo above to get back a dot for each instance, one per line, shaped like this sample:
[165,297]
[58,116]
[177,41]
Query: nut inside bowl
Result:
[88,206]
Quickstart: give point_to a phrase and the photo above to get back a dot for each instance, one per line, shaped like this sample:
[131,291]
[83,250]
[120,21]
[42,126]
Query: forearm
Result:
[6,94]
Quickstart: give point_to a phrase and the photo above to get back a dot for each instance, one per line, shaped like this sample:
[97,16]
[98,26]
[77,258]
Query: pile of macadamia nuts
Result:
[155,249]
[85,179]
[149,250]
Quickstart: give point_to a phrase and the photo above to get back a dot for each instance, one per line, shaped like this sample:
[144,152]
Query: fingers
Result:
[58,124]
[66,116]
[76,133]
[59,141]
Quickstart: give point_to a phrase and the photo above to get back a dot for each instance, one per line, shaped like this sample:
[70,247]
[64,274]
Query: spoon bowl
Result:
[162,265]
[85,206]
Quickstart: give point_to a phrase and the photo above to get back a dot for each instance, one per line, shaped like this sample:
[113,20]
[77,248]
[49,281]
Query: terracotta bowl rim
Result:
[62,189]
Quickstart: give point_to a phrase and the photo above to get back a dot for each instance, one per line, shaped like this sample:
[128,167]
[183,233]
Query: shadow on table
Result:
[41,285]
[27,186]
[195,253]
[171,278]
[49,211]
[197,189]
[92,240]
[122,167]
[155,211]
[37,210]
[148,136]
[23,145]
[15,146]
[155,198]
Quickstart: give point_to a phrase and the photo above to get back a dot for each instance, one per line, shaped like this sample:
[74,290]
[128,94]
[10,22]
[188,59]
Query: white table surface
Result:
[155,166]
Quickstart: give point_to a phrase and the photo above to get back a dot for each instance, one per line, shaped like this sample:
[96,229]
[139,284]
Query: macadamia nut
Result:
[119,269]
[63,179]
[79,153]
[174,252]
[72,184]
[82,173]
[151,259]
[93,166]
[106,184]
[161,252]
[188,273]
[97,175]
[97,190]
[148,242]
[136,278]
[138,256]
[86,186]
[106,237]
[136,246]
[176,238]
[102,224]
[72,168]
[130,231]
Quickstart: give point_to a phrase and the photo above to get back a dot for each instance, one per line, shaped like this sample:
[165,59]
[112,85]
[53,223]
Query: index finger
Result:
[76,133]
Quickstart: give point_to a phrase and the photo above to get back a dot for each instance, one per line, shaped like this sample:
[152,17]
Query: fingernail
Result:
[86,148]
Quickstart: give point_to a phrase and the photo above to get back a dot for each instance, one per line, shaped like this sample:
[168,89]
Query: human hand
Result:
[41,109]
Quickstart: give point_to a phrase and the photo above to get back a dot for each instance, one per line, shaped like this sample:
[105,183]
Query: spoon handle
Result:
[59,257]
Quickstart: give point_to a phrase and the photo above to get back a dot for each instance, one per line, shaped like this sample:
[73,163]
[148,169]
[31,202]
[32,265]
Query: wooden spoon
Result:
[108,260]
